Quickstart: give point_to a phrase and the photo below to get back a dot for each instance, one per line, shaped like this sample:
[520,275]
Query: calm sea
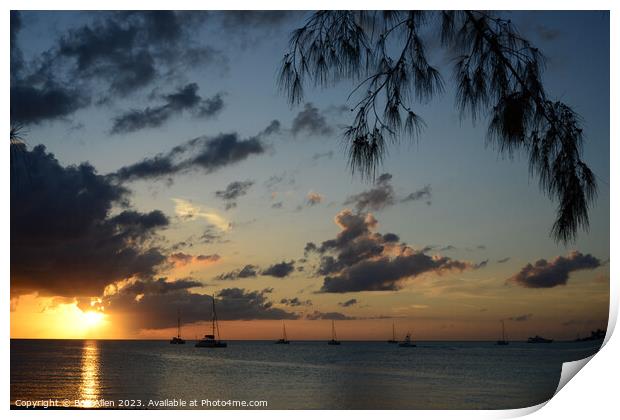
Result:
[301,375]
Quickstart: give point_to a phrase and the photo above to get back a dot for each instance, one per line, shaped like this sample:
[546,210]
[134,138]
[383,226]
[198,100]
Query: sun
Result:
[93,318]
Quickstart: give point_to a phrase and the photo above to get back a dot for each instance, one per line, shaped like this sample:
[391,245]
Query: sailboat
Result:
[503,341]
[407,342]
[393,339]
[178,339]
[333,341]
[283,340]
[210,340]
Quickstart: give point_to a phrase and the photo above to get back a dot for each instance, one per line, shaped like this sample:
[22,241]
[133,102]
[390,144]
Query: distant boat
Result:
[283,340]
[503,341]
[537,339]
[211,340]
[393,340]
[333,341]
[407,342]
[178,339]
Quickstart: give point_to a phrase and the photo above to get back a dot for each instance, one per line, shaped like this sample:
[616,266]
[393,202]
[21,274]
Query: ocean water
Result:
[301,375]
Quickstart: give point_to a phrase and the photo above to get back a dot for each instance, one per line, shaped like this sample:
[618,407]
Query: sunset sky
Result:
[164,166]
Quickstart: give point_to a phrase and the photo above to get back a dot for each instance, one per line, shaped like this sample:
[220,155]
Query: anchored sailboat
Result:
[393,339]
[210,340]
[333,341]
[503,341]
[178,339]
[283,340]
[407,342]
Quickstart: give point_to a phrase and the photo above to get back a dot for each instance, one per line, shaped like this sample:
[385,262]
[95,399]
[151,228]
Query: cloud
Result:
[313,198]
[503,260]
[247,271]
[336,316]
[202,153]
[115,55]
[349,302]
[184,99]
[382,195]
[233,191]
[47,101]
[180,259]
[280,270]
[274,127]
[547,274]
[327,155]
[295,302]
[375,199]
[154,304]
[360,259]
[521,318]
[186,210]
[66,239]
[421,194]
[310,121]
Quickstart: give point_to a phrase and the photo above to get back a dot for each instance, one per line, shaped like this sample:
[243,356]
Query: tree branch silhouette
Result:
[498,75]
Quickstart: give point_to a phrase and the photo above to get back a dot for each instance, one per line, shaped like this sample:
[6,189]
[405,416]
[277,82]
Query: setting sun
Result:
[93,318]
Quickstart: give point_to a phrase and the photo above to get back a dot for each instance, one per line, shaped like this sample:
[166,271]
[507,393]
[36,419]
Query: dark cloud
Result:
[503,260]
[359,259]
[295,302]
[65,239]
[114,55]
[129,50]
[349,302]
[47,101]
[421,194]
[211,235]
[233,191]
[280,270]
[184,99]
[247,271]
[546,274]
[310,121]
[154,304]
[202,153]
[377,198]
[274,127]
[181,258]
[382,195]
[336,316]
[482,264]
[521,318]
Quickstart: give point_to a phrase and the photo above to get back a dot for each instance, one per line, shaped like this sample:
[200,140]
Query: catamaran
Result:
[333,341]
[178,339]
[393,339]
[210,340]
[283,340]
[503,341]
[407,342]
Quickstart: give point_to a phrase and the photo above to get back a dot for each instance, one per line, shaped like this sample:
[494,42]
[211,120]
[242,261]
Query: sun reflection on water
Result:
[89,385]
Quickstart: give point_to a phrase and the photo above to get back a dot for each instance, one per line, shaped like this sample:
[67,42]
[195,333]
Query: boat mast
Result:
[215,326]
[213,315]
[283,331]
[178,323]
[503,332]
[333,331]
[393,332]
